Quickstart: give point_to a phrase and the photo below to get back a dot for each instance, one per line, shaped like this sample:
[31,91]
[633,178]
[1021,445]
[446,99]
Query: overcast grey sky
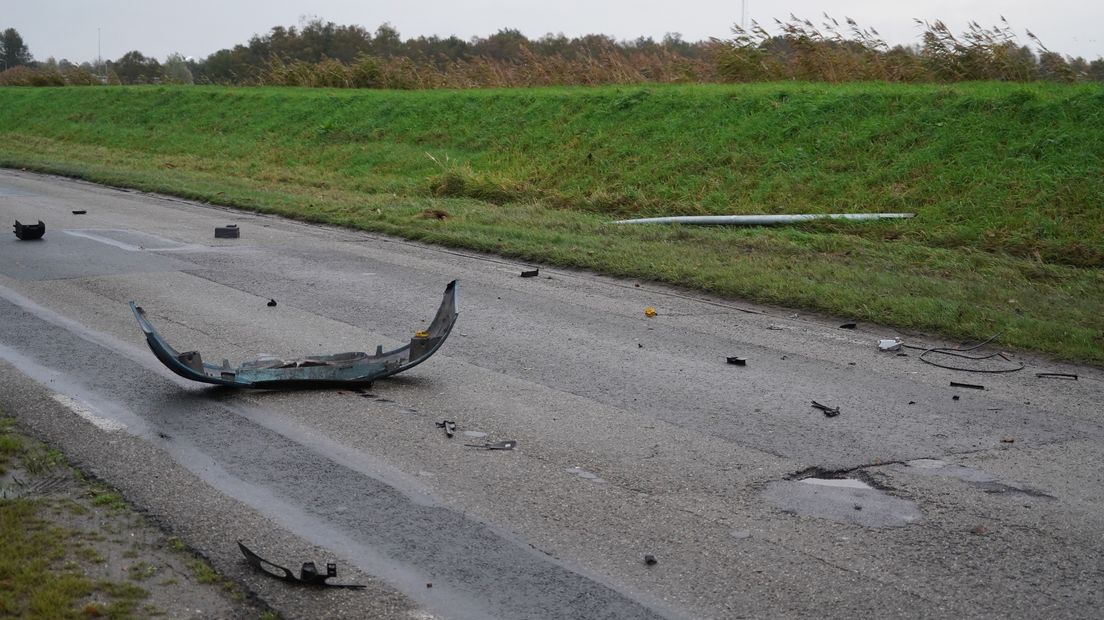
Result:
[68,28]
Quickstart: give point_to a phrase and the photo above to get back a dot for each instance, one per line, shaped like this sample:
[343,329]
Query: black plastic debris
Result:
[271,303]
[955,397]
[498,445]
[972,386]
[79,212]
[650,559]
[230,231]
[532,273]
[308,574]
[829,412]
[1056,375]
[448,425]
[29,232]
[737,361]
[849,325]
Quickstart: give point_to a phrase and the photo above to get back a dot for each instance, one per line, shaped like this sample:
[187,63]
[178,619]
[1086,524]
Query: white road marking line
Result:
[171,246]
[86,412]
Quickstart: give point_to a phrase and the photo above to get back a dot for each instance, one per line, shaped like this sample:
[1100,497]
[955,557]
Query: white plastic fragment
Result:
[889,344]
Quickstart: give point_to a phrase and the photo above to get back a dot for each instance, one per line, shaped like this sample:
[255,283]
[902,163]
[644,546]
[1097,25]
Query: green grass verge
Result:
[1007,181]
[40,575]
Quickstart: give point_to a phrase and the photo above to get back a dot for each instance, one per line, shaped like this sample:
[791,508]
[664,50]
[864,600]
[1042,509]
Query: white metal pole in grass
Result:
[763,220]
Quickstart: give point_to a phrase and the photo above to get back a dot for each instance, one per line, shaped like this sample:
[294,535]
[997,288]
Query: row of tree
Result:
[317,41]
[322,53]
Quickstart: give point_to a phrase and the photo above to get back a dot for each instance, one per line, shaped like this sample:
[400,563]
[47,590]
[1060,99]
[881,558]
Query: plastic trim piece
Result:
[308,575]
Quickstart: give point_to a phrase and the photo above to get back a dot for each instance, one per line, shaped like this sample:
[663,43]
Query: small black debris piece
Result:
[532,273]
[448,425]
[308,575]
[498,445]
[29,232]
[829,412]
[955,397]
[271,303]
[849,325]
[972,386]
[79,212]
[650,559]
[737,361]
[1056,375]
[227,232]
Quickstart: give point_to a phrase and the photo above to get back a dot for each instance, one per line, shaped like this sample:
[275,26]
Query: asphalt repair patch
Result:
[842,500]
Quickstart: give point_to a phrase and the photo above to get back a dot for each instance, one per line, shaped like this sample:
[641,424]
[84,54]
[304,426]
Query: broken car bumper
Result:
[340,369]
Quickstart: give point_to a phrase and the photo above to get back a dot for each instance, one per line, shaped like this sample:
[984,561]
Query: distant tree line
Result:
[325,54]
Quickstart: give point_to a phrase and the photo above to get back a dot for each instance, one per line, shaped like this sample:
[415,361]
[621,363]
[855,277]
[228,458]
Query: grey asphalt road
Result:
[634,436]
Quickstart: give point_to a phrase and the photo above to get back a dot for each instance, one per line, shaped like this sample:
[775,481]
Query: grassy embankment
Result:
[1007,181]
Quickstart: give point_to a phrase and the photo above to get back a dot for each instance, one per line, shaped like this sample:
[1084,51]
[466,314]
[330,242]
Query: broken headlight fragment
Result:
[314,371]
[308,574]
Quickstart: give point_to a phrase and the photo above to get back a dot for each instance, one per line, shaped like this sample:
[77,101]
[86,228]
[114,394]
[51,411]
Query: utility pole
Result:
[743,14]
[99,57]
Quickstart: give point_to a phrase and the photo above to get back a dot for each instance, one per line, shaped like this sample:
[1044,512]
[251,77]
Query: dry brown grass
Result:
[835,52]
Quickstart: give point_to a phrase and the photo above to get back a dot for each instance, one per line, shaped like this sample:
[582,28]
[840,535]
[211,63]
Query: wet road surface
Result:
[634,435]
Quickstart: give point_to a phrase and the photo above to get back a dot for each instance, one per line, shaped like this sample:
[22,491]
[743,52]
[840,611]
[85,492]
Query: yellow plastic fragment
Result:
[649,312]
[421,334]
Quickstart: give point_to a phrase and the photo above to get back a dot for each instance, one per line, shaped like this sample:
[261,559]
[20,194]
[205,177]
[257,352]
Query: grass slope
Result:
[1007,181]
